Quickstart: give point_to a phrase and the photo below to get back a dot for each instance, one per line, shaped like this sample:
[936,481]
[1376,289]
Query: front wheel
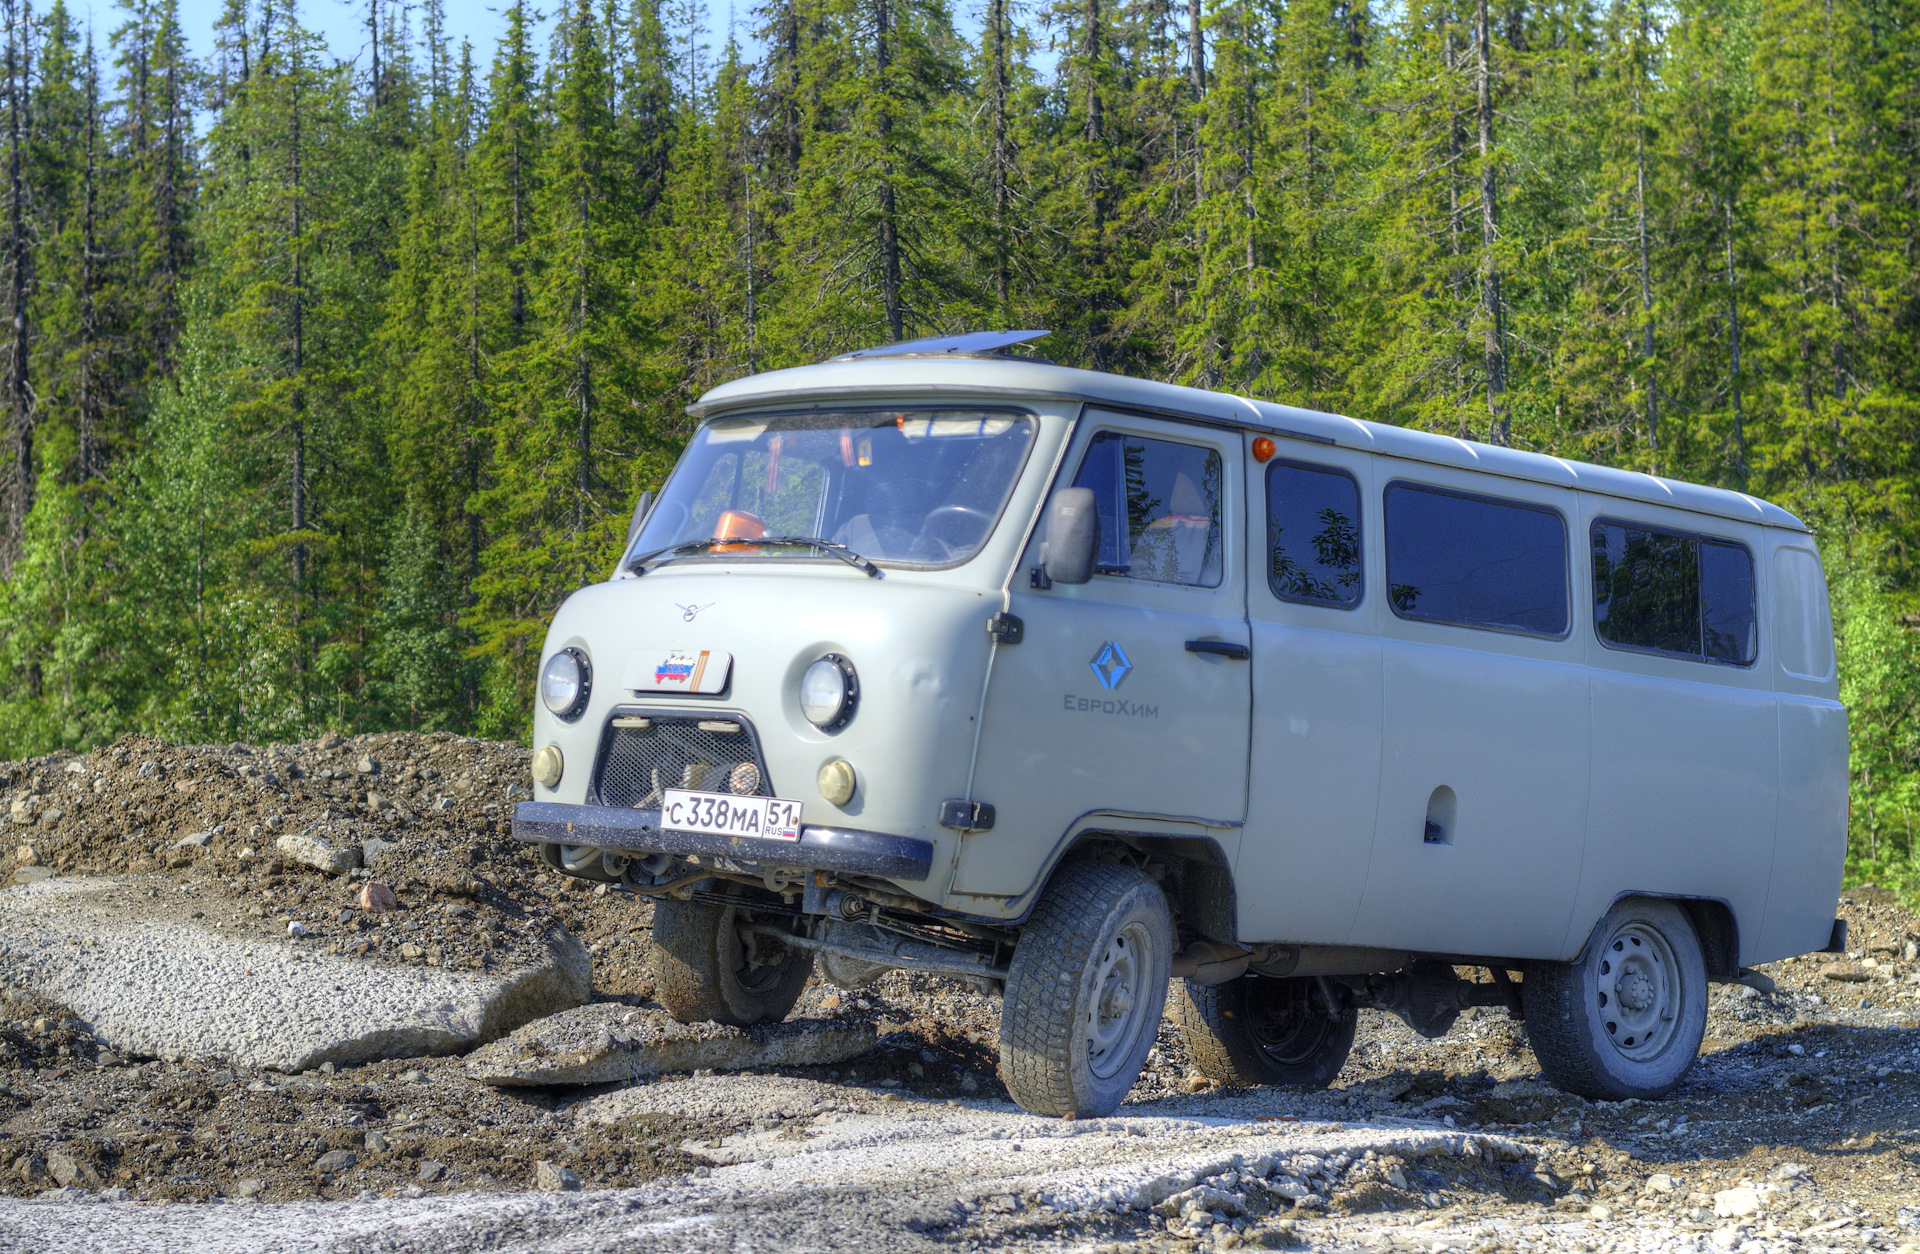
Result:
[1260,1031]
[706,969]
[1624,1019]
[1085,990]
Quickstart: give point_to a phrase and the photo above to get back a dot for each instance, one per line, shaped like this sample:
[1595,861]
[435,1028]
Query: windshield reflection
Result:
[915,487]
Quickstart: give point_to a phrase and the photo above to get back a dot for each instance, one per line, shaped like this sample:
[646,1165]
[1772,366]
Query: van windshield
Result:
[918,487]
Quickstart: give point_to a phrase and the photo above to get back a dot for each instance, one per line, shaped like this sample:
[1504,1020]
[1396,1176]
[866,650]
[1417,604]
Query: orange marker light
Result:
[1263,448]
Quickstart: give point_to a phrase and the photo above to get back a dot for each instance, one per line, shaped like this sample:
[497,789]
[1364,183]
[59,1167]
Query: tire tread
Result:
[1037,1019]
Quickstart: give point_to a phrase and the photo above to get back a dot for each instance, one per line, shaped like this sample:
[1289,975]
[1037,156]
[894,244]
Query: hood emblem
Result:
[687,612]
[1110,665]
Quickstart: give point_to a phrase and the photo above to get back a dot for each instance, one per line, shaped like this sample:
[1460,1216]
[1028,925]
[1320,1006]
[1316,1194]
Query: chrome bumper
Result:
[846,850]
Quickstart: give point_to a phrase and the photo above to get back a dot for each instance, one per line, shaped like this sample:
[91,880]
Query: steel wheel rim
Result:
[1117,1007]
[1637,992]
[1284,1027]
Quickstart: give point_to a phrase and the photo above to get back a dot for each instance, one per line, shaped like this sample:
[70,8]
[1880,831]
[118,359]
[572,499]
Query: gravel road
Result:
[1796,1132]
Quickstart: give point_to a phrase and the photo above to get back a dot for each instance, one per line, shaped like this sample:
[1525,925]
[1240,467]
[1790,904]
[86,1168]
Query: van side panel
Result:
[1685,758]
[1314,786]
[1811,851]
[1683,791]
[1810,854]
[1508,734]
[1501,721]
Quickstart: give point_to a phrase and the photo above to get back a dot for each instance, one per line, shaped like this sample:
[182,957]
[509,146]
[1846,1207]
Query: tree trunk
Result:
[1002,156]
[297,432]
[92,464]
[889,224]
[1197,82]
[518,197]
[1646,278]
[1095,184]
[20,408]
[1733,356]
[1499,428]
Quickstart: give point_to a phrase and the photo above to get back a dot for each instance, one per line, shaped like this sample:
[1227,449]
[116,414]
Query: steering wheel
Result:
[955,526]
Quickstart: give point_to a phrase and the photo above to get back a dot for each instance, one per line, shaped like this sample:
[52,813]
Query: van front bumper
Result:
[846,850]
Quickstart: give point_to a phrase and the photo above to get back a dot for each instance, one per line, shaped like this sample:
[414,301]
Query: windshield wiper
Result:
[841,551]
[833,547]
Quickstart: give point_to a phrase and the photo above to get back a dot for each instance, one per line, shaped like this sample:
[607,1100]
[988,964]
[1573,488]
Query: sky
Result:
[345,25]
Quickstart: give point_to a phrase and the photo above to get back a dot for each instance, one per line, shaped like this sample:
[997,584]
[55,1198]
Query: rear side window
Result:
[1159,504]
[1673,592]
[1313,534]
[1476,561]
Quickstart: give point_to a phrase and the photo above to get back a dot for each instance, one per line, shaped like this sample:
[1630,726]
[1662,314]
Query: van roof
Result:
[1012,378]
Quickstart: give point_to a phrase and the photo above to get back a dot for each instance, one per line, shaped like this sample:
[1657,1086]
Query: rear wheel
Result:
[1624,1019]
[1261,1031]
[706,969]
[1085,990]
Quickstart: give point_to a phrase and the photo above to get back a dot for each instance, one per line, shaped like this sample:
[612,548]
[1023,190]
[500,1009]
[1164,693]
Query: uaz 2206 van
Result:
[1065,684]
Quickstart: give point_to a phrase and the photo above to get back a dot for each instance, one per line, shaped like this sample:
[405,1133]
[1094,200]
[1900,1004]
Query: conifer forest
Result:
[325,382]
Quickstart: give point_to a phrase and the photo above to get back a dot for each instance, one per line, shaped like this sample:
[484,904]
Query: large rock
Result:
[604,1043]
[149,982]
[318,853]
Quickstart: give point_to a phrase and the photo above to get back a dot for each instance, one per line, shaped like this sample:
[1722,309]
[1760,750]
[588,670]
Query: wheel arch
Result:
[1714,924]
[1194,872]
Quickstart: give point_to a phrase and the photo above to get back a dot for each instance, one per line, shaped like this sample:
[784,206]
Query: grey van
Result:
[1070,686]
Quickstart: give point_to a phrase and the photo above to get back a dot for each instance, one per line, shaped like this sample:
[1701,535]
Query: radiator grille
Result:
[644,755]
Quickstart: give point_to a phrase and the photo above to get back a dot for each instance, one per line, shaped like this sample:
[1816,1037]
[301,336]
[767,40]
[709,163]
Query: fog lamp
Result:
[837,781]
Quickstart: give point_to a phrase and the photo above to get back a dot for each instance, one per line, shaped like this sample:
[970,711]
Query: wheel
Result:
[1625,1018]
[1260,1031]
[706,970]
[1085,990]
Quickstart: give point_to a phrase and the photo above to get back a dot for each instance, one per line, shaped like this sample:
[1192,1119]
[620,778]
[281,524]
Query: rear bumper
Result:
[849,851]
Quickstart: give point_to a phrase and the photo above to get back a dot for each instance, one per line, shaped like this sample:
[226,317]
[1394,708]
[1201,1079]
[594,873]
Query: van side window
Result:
[1159,508]
[1673,592]
[1476,561]
[1313,534]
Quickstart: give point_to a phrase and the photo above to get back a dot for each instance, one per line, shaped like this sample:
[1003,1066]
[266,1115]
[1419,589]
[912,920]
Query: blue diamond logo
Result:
[1110,665]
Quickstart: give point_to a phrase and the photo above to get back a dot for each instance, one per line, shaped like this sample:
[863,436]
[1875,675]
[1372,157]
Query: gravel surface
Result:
[1796,1132]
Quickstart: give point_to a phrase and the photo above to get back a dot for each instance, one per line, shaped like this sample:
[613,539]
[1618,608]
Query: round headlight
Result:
[828,692]
[565,683]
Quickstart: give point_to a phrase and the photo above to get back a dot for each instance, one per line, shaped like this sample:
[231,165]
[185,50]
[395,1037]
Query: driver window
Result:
[1159,505]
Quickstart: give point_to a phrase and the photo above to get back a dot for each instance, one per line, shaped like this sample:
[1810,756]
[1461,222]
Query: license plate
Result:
[723,814]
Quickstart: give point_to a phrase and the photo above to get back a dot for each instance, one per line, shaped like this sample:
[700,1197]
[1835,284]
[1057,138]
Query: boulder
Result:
[608,1042]
[316,852]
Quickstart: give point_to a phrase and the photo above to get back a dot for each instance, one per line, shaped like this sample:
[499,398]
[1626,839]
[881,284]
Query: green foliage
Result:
[327,401]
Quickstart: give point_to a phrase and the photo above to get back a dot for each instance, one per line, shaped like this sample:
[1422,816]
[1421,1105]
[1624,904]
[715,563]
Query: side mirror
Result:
[1073,538]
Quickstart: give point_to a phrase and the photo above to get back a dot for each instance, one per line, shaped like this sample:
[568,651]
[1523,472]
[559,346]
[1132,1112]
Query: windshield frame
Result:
[795,552]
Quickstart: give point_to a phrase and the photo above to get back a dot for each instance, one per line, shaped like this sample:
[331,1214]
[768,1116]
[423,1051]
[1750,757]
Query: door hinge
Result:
[966,816]
[1006,628]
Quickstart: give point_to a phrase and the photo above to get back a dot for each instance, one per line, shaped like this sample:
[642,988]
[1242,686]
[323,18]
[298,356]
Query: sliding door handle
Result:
[1225,648]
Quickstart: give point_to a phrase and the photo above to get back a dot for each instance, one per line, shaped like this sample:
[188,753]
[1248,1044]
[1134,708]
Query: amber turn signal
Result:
[1263,448]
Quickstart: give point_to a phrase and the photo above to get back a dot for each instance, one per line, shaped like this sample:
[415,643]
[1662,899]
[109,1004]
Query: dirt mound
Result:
[430,816]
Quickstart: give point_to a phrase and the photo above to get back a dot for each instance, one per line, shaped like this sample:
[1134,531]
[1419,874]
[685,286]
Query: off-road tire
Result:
[1598,1035]
[701,972]
[1254,1031]
[1067,1044]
